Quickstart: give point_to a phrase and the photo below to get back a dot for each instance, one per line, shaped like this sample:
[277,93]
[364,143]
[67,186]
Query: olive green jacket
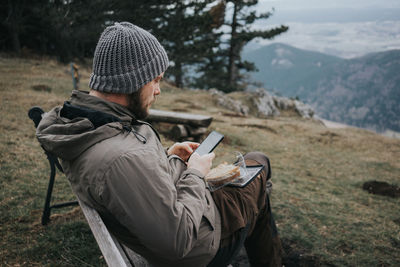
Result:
[149,200]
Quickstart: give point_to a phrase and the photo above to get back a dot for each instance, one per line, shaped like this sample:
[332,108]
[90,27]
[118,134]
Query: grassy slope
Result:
[320,207]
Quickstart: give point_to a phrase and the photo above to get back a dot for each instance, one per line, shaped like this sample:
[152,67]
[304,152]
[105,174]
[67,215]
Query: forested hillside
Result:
[190,31]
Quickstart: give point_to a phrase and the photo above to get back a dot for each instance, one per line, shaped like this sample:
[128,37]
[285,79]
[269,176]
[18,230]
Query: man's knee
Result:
[257,156]
[262,159]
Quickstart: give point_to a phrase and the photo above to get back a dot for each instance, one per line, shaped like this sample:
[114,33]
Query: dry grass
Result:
[318,173]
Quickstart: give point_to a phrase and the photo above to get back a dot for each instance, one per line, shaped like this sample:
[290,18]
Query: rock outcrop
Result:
[262,104]
[229,103]
[283,103]
[304,110]
[265,104]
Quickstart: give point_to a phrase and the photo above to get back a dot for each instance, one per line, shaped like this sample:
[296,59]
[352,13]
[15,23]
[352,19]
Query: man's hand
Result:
[183,150]
[201,163]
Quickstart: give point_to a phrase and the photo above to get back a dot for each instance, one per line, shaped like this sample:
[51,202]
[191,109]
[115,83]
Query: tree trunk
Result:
[15,40]
[178,74]
[179,47]
[13,23]
[232,68]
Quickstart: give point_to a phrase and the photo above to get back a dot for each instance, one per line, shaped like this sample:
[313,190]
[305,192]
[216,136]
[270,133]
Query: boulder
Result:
[264,103]
[229,103]
[304,110]
[283,103]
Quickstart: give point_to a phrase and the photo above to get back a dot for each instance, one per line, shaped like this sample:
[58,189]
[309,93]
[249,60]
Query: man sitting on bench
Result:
[154,201]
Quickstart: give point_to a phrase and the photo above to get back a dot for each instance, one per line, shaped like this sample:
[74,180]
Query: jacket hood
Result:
[66,133]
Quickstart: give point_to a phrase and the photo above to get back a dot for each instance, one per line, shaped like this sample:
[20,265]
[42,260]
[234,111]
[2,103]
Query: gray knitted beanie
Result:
[126,58]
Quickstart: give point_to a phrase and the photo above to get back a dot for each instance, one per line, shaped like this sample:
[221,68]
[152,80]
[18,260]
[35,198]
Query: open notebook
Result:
[247,174]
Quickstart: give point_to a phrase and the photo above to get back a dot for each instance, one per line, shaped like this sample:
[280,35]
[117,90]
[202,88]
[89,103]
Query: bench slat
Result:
[113,255]
[135,258]
[195,120]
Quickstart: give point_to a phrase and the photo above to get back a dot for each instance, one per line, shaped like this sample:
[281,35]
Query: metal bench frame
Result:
[35,114]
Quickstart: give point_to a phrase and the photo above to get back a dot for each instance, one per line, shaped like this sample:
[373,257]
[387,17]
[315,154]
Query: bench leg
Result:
[47,207]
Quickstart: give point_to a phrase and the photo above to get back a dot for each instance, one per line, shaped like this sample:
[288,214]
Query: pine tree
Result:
[66,29]
[185,36]
[240,35]
[211,68]
[72,27]
[13,21]
[222,69]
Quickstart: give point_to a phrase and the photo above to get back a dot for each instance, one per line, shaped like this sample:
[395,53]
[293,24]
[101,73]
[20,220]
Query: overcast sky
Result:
[343,28]
[318,4]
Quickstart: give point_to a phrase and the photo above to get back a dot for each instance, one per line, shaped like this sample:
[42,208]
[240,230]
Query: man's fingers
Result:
[193,145]
[187,147]
[201,163]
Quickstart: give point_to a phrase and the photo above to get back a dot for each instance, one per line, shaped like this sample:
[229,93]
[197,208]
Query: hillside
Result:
[363,92]
[287,69]
[323,214]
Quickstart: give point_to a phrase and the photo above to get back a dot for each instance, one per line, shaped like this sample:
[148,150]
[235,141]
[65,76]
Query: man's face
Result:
[141,101]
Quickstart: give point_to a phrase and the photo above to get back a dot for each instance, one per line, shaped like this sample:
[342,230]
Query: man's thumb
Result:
[211,155]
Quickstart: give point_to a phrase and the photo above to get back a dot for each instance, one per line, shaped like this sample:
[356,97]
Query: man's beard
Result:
[136,106]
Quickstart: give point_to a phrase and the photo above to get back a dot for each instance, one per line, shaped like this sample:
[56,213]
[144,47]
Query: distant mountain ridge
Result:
[363,92]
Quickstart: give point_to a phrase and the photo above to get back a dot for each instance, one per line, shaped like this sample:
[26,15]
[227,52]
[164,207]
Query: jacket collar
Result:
[83,99]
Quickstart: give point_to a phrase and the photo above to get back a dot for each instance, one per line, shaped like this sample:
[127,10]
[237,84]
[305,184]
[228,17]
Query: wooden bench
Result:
[186,125]
[114,252]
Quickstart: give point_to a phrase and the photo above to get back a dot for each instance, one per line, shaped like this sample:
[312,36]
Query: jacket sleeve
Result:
[141,193]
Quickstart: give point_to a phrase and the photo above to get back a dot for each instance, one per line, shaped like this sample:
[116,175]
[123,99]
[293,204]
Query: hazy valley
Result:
[363,92]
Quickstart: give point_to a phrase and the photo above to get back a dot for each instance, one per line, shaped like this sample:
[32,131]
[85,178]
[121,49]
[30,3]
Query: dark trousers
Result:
[258,233]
